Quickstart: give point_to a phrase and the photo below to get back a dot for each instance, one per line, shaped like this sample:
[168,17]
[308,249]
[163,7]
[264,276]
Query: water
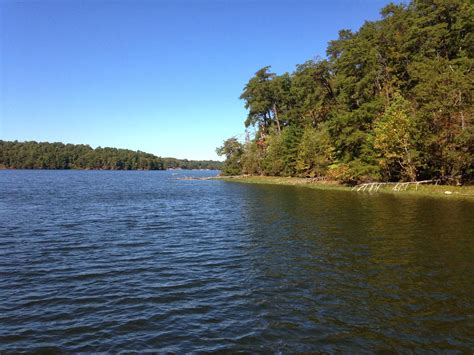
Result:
[141,261]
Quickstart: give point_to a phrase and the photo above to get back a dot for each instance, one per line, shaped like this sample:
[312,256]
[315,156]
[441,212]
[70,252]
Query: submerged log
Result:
[196,178]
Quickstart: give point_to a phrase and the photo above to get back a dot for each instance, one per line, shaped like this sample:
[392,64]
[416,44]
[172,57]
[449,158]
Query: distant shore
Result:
[100,169]
[61,156]
[443,191]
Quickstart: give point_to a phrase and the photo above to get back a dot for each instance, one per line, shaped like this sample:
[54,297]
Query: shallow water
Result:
[141,261]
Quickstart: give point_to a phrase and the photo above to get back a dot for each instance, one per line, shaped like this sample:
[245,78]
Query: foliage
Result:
[34,155]
[281,152]
[232,150]
[392,101]
[315,152]
[252,159]
[395,135]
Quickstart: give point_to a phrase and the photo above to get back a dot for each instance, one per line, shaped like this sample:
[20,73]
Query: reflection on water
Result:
[109,261]
[375,271]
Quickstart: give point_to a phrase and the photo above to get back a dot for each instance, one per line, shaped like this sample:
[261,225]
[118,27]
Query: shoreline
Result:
[439,191]
[85,169]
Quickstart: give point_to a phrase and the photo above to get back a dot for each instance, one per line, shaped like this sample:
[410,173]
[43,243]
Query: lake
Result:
[142,261]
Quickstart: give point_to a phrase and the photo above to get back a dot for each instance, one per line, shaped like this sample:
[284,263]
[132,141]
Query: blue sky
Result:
[158,76]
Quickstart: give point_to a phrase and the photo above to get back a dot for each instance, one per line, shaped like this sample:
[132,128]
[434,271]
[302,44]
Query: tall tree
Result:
[393,100]
[266,97]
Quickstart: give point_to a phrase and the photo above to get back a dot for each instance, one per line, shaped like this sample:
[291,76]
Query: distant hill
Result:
[44,155]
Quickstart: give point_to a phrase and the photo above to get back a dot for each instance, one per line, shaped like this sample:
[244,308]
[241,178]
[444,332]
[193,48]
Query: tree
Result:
[395,134]
[315,152]
[232,149]
[266,97]
[312,92]
[252,158]
[392,101]
[33,155]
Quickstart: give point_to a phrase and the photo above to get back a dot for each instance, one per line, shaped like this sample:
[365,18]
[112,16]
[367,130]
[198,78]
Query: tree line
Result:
[392,101]
[43,155]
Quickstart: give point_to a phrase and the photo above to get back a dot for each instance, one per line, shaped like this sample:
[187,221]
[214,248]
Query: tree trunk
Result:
[275,113]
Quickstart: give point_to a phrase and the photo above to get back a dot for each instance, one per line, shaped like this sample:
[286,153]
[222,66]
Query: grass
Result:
[443,191]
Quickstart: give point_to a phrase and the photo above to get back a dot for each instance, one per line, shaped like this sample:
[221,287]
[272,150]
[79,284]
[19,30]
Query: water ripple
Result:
[140,262]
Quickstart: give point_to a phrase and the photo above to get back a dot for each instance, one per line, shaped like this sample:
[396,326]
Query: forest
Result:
[34,155]
[389,102]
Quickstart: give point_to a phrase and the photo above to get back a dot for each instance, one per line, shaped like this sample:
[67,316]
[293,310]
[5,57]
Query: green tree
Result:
[395,139]
[267,98]
[252,158]
[232,149]
[315,152]
[393,100]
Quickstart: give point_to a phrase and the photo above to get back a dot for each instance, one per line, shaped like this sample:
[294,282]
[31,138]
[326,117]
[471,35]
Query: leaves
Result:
[392,101]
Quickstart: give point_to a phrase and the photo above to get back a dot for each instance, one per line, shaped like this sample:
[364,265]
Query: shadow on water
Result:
[347,270]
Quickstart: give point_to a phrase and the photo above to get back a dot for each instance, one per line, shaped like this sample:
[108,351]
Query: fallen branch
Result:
[398,186]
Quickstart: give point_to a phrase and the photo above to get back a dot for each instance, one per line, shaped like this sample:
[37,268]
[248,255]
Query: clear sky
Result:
[158,76]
